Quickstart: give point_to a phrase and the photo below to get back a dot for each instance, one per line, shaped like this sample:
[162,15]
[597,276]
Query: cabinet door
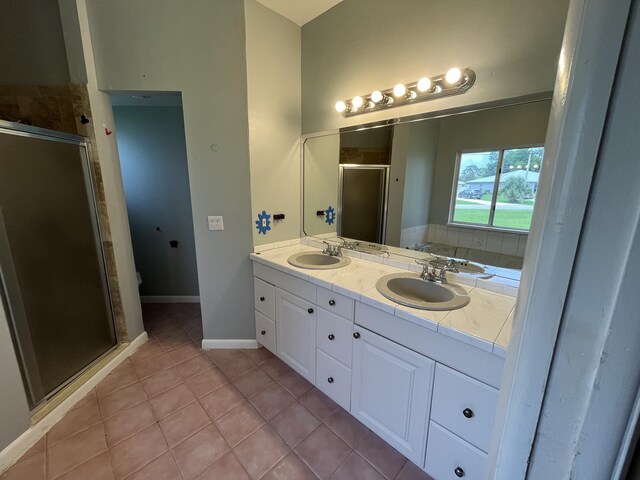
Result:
[296,331]
[391,392]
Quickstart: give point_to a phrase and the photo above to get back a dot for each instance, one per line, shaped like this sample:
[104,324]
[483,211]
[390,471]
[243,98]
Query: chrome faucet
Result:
[332,250]
[439,269]
[348,245]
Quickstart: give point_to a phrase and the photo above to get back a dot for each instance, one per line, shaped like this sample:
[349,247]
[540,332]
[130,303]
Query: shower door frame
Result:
[382,223]
[28,131]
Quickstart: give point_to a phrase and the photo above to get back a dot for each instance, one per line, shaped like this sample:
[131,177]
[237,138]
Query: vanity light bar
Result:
[454,82]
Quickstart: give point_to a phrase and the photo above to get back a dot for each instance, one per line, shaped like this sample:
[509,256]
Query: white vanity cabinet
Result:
[335,345]
[430,396]
[391,392]
[296,333]
[265,305]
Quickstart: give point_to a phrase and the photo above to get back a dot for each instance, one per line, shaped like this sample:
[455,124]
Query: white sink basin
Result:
[410,290]
[317,261]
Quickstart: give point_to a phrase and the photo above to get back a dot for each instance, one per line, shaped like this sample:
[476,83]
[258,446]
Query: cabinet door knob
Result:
[262,299]
[467,412]
[356,335]
[263,332]
[310,310]
[459,472]
[332,302]
[330,379]
[331,336]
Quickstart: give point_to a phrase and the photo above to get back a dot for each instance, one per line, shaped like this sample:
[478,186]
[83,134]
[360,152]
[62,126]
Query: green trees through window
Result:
[497,188]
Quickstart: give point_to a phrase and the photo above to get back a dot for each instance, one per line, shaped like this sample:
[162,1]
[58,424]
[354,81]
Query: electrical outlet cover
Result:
[215,222]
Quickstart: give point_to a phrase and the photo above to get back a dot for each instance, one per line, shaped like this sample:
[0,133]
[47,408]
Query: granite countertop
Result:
[485,323]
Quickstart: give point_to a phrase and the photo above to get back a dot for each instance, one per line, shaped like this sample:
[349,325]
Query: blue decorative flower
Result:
[263,224]
[330,215]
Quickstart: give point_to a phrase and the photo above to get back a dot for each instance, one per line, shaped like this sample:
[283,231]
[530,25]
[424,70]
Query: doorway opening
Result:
[153,158]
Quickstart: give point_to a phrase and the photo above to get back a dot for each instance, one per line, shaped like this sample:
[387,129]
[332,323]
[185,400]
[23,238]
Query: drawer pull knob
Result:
[310,310]
[459,472]
[332,302]
[331,336]
[263,332]
[262,299]
[330,379]
[467,412]
[356,335]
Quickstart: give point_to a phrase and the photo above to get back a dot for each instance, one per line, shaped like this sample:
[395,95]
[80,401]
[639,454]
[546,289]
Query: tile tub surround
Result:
[479,324]
[171,412]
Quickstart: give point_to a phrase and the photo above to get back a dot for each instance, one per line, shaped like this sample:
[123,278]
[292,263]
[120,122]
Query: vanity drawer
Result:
[464,406]
[334,336]
[451,458]
[266,332]
[335,303]
[334,379]
[265,297]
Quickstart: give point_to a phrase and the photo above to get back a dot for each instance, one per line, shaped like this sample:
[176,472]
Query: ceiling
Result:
[299,11]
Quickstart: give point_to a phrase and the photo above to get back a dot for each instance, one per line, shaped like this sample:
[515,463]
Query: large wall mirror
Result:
[460,185]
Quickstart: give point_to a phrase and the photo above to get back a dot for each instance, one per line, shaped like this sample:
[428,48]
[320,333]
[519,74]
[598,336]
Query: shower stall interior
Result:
[53,281]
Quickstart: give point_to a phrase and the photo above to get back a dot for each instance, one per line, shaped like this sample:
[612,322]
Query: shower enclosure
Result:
[53,281]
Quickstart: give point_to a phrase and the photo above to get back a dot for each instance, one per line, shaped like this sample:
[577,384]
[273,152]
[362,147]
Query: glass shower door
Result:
[54,285]
[362,202]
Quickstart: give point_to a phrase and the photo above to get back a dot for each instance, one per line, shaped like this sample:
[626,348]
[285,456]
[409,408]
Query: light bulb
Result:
[453,76]
[424,84]
[519,167]
[535,166]
[376,96]
[511,167]
[341,106]
[357,102]
[412,95]
[399,90]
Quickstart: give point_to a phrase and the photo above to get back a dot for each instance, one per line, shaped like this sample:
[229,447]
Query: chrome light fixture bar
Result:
[454,82]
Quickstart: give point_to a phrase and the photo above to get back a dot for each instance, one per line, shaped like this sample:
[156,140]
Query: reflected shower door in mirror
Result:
[460,185]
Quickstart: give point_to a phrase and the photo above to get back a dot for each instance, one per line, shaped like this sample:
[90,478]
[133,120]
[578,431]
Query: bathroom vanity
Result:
[424,381]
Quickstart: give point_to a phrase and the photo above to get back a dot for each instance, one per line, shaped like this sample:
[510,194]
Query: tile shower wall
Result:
[497,242]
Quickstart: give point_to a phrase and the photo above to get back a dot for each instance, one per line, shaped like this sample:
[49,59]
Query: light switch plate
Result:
[215,222]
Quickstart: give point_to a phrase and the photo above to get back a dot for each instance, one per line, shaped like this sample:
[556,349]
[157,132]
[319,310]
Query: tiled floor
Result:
[175,412]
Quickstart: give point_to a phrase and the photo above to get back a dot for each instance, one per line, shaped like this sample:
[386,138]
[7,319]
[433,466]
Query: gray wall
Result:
[273,82]
[362,45]
[14,413]
[420,172]
[153,159]
[518,125]
[397,179]
[198,48]
[33,49]
[321,157]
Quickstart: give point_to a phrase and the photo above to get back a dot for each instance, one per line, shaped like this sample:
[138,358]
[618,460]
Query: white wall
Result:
[274,90]
[33,49]
[197,48]
[362,45]
[156,181]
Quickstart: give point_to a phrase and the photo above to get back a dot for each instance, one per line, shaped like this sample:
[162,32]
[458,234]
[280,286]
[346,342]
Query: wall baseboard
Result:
[24,442]
[210,344]
[170,299]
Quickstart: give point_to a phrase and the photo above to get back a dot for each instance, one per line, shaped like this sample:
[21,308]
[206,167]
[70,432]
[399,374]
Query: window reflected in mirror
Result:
[503,200]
